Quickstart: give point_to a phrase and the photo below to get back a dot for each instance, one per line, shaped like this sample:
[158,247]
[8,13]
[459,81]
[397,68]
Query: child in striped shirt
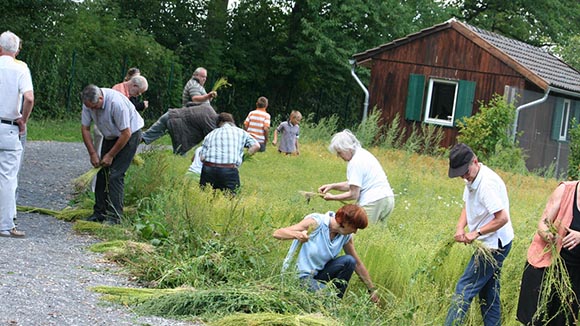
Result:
[257,123]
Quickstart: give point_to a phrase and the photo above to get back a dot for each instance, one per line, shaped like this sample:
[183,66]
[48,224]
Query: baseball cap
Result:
[460,158]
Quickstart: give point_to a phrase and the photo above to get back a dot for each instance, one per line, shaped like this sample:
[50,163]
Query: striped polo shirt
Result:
[256,121]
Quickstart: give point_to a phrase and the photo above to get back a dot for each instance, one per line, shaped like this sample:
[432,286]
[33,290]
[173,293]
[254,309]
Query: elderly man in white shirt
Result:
[15,88]
[486,215]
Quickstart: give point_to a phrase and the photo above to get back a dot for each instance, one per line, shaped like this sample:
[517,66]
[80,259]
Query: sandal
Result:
[12,233]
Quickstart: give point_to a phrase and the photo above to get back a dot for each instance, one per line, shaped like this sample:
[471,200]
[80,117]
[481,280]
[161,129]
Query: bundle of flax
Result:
[310,194]
[556,283]
[222,82]
[137,160]
[82,182]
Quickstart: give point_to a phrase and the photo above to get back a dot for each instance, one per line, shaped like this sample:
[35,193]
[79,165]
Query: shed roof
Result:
[536,64]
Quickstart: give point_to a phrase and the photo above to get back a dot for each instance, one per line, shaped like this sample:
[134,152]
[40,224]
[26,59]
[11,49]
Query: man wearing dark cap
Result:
[487,218]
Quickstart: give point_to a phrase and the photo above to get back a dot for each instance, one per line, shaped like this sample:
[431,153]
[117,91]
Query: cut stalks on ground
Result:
[273,319]
[132,296]
[68,214]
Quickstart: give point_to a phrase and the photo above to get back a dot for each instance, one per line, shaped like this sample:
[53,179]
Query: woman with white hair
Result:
[366,182]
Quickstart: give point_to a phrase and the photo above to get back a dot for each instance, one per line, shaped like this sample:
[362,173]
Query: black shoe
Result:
[95,218]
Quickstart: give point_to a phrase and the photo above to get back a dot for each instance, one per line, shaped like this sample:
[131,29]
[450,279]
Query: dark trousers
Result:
[337,271]
[557,313]
[110,187]
[227,179]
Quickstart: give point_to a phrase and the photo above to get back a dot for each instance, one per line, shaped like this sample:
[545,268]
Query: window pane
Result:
[565,120]
[442,100]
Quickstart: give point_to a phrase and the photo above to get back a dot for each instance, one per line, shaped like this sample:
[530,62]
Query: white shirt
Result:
[15,80]
[365,171]
[483,197]
[196,165]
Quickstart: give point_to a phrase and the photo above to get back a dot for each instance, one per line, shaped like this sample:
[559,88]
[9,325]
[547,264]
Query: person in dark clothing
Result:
[558,234]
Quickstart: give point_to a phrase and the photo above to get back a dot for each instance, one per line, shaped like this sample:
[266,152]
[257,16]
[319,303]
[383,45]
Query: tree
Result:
[570,52]
[323,35]
[539,23]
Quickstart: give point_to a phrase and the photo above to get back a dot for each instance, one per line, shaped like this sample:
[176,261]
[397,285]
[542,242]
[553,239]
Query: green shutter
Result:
[557,118]
[465,96]
[415,92]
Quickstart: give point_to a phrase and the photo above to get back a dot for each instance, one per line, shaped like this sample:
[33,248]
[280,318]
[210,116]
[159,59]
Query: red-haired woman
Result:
[318,261]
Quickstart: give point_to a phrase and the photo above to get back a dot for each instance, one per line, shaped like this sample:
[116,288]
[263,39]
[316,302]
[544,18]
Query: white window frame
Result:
[565,122]
[449,121]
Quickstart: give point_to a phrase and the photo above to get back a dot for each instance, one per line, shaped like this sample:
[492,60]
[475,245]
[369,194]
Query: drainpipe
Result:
[524,106]
[352,63]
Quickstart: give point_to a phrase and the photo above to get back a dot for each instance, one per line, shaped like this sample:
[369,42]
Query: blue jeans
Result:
[338,271]
[481,278]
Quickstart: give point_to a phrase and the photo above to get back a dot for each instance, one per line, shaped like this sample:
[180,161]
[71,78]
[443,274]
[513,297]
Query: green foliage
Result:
[570,52]
[423,140]
[510,158]
[574,156]
[393,135]
[322,131]
[539,23]
[293,52]
[488,133]
[368,131]
[431,137]
[413,142]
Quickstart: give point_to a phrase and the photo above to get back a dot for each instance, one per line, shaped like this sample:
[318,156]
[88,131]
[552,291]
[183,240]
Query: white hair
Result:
[344,141]
[9,42]
[141,82]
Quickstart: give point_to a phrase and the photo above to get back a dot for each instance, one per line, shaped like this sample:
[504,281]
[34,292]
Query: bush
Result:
[393,135]
[321,131]
[574,156]
[367,132]
[488,133]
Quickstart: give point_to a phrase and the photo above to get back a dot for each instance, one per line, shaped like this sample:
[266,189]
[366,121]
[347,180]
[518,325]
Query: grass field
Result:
[223,248]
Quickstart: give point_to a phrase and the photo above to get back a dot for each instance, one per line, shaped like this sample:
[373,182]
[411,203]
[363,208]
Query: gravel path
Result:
[45,278]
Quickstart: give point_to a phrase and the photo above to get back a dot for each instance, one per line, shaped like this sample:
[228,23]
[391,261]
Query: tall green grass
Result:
[211,243]
[221,249]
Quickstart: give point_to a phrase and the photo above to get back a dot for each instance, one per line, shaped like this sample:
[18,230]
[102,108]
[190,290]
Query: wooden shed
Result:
[442,73]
